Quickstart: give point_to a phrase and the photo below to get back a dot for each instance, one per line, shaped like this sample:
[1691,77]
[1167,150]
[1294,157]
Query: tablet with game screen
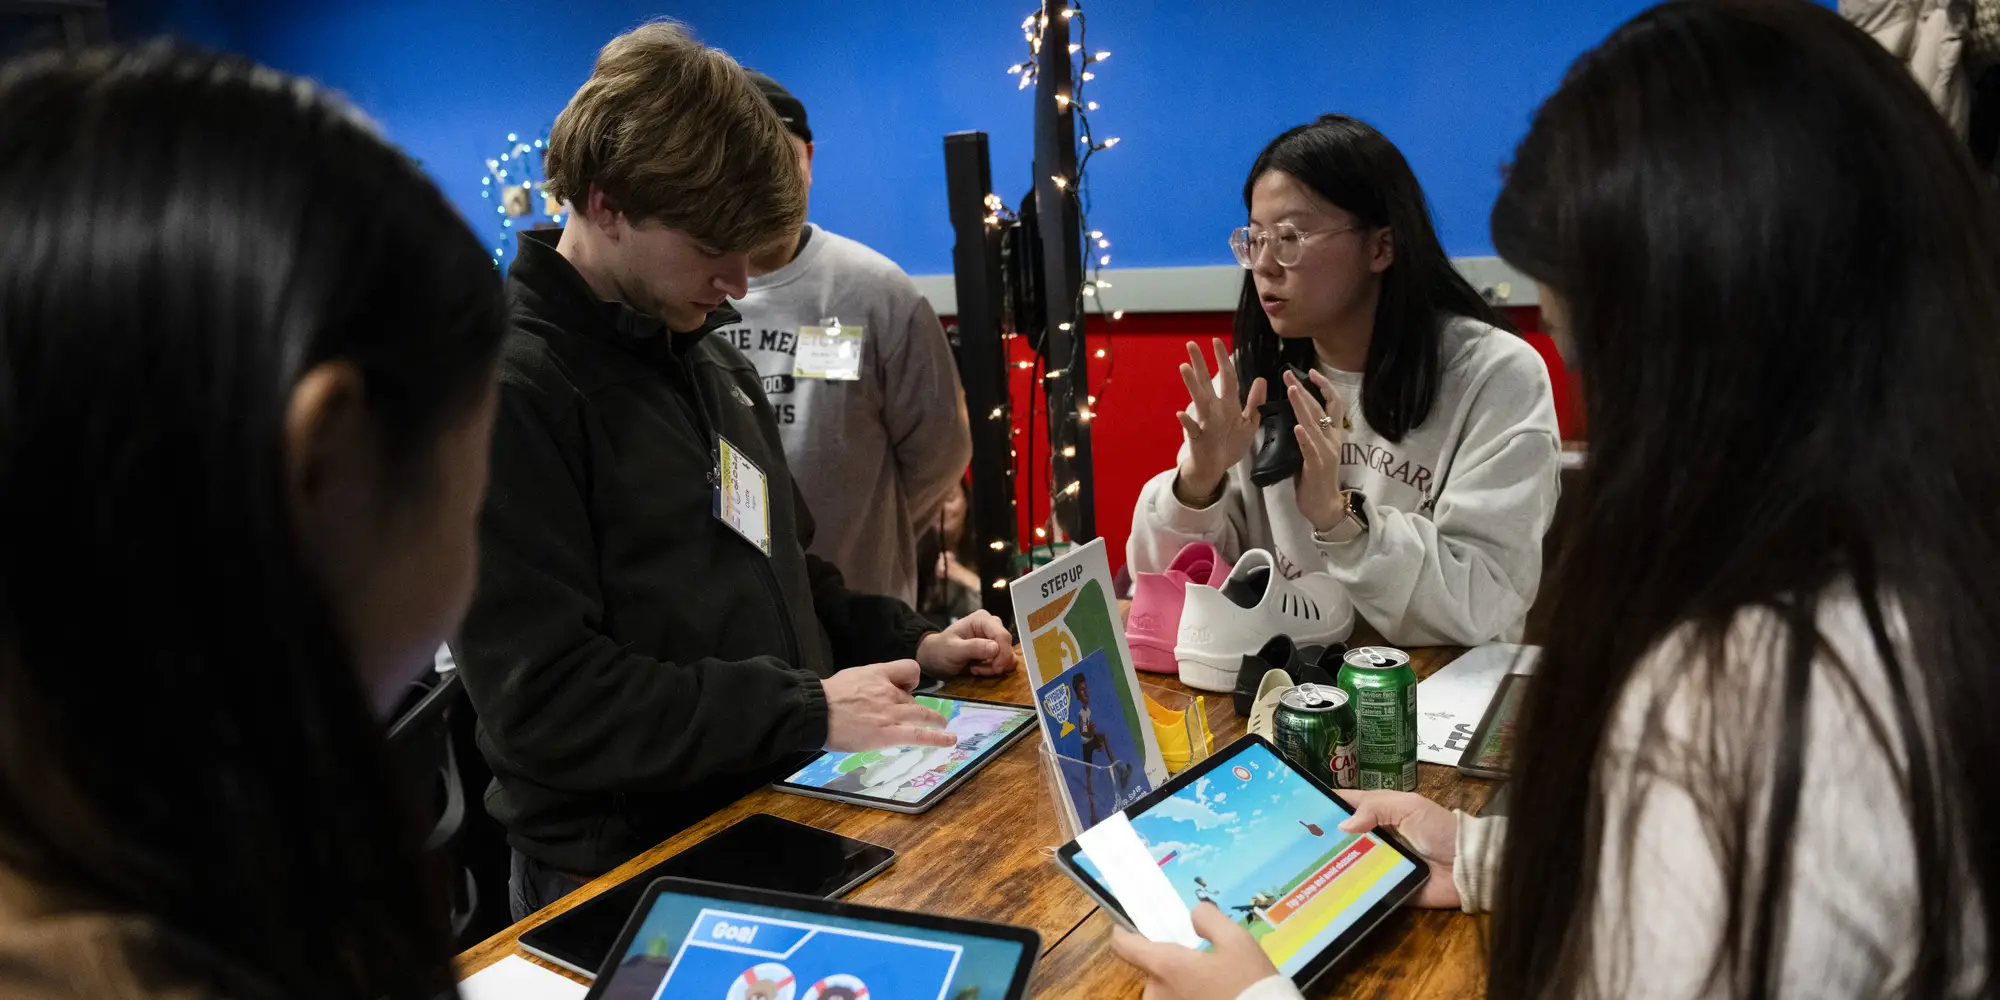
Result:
[913,779]
[703,941]
[1259,838]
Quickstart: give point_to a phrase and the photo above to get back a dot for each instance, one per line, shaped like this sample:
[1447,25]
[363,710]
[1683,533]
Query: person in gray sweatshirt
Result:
[1380,423]
[864,385]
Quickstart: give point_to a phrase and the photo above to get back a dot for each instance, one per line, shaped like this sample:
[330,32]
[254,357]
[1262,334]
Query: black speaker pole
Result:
[1068,388]
[982,361]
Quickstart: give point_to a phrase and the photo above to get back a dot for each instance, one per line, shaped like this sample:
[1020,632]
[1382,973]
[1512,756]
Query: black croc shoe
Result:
[1278,458]
[1320,664]
[1279,654]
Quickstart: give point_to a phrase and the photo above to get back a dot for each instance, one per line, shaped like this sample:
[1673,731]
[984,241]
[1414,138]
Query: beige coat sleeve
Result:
[1929,37]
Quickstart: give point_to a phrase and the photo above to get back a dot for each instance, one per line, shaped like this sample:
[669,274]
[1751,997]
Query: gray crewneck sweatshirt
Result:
[1456,510]
[875,456]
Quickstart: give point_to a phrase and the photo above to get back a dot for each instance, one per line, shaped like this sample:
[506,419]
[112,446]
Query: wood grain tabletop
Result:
[986,853]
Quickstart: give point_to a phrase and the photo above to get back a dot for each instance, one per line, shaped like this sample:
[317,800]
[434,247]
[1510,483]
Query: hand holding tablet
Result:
[1232,963]
[1265,842]
[1231,960]
[1429,830]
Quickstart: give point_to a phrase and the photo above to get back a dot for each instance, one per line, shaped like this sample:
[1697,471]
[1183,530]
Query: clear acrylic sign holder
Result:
[1056,768]
[1180,722]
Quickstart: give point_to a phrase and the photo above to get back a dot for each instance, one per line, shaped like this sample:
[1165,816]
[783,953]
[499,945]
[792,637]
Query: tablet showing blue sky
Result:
[695,948]
[1263,843]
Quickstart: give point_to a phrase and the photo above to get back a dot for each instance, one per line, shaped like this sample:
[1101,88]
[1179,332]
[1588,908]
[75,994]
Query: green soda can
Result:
[1383,689]
[1314,729]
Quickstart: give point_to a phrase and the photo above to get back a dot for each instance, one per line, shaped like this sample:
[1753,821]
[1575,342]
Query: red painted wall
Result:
[1135,434]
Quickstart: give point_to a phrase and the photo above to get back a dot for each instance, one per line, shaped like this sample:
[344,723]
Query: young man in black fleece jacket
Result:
[637,662]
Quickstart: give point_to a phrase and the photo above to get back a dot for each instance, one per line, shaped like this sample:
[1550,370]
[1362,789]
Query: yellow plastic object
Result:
[1181,727]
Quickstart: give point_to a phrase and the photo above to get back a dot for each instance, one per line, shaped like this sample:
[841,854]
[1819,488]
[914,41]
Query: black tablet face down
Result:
[761,851]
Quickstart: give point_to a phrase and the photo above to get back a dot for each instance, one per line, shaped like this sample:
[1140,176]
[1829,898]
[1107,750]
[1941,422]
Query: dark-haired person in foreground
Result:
[1424,474]
[650,639]
[1755,758]
[243,439]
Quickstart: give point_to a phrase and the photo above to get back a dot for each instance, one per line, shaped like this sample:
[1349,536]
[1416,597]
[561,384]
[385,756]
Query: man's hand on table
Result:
[977,644]
[871,707]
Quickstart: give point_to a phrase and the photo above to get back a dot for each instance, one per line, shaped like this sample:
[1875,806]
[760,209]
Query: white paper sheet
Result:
[1127,868]
[1451,702]
[516,978]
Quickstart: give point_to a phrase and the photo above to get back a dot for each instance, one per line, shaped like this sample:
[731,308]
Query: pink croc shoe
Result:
[1154,626]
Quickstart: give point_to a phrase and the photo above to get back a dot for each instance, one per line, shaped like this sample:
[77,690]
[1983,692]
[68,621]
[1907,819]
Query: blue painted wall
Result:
[214,24]
[1193,88]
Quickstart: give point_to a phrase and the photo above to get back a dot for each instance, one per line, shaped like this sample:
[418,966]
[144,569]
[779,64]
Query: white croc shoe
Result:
[1264,711]
[1220,626]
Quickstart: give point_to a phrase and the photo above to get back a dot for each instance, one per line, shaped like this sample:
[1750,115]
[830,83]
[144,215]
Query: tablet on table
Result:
[758,851]
[699,939]
[1259,838]
[913,779]
[1491,751]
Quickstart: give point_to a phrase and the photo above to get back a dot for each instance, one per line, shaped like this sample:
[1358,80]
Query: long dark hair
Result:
[183,735]
[1351,165]
[1783,279]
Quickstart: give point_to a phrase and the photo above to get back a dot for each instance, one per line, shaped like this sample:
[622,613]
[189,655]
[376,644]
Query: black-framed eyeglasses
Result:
[1285,240]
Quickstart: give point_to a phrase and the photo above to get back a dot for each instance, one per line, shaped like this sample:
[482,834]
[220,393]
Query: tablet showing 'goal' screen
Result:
[695,940]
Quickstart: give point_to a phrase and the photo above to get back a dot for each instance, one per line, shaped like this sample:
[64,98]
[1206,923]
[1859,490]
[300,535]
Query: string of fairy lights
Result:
[1090,295]
[523,199]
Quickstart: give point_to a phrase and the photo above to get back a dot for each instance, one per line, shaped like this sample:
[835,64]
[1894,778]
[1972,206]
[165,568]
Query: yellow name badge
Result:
[831,352]
[742,498]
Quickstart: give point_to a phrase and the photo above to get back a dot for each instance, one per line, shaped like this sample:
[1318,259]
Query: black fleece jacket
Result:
[635,663]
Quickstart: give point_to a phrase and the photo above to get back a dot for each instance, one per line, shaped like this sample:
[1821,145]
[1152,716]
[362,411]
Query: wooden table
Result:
[986,853]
